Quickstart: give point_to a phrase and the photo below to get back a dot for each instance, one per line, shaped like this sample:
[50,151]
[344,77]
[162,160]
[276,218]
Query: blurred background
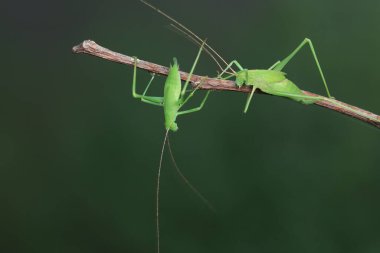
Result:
[79,155]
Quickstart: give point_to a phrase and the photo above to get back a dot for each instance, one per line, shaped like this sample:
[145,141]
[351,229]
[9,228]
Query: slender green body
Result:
[272,82]
[172,94]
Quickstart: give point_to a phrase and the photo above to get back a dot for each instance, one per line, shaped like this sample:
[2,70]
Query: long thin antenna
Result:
[187,30]
[192,39]
[188,36]
[184,178]
[158,194]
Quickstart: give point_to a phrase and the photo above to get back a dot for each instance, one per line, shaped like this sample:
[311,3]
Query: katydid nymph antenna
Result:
[271,81]
[188,36]
[191,35]
[173,100]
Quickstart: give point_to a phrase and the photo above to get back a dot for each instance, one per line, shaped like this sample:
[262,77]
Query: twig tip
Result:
[80,48]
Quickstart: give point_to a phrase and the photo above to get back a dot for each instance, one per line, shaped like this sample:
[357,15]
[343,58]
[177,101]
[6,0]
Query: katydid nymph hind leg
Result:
[184,101]
[285,61]
[306,99]
[150,82]
[274,65]
[183,91]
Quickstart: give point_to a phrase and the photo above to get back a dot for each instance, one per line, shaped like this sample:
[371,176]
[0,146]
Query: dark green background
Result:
[79,155]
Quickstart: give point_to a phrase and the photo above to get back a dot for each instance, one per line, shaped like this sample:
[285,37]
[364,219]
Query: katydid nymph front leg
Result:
[273,80]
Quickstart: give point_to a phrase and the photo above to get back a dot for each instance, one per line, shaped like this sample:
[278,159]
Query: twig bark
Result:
[90,47]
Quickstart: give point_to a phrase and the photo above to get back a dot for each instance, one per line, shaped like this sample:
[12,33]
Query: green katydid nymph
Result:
[273,80]
[173,100]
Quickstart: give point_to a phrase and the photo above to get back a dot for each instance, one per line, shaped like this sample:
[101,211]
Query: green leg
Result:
[184,89]
[192,70]
[234,62]
[290,95]
[274,65]
[282,64]
[153,101]
[146,99]
[249,99]
[196,108]
[147,87]
[184,101]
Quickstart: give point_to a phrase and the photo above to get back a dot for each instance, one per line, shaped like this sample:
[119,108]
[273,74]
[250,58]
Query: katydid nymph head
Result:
[173,127]
[241,77]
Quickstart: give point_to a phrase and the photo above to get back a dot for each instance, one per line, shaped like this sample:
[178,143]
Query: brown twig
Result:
[90,47]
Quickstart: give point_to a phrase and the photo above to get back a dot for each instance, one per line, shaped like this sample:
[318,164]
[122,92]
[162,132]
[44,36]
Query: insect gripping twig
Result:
[90,47]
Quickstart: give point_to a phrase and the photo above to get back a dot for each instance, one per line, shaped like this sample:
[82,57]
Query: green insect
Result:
[272,81]
[174,94]
[173,100]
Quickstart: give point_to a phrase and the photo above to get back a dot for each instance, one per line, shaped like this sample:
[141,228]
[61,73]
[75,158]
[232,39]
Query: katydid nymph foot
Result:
[173,100]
